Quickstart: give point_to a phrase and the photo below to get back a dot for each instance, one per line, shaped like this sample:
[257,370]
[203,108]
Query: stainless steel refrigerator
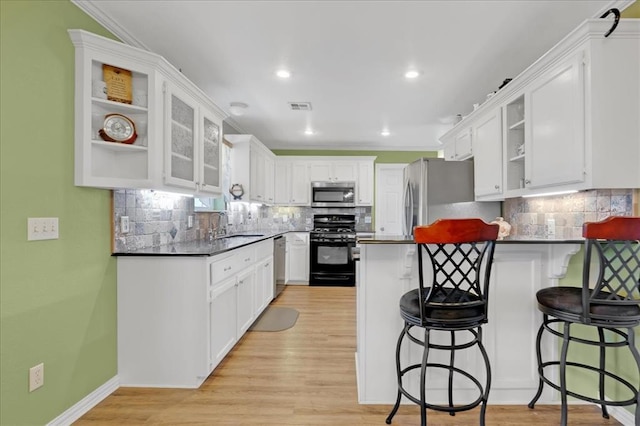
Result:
[435,188]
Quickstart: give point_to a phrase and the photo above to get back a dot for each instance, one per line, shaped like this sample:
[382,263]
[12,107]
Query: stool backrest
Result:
[460,252]
[615,244]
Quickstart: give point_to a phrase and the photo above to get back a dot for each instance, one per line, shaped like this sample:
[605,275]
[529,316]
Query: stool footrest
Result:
[618,379]
[446,408]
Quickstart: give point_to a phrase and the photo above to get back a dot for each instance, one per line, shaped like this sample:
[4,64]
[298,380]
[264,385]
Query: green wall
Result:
[386,157]
[57,297]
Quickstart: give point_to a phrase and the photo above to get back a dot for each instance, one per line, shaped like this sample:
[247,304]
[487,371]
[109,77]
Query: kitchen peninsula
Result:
[388,268]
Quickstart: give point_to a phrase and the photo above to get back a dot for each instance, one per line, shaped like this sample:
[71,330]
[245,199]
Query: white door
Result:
[389,191]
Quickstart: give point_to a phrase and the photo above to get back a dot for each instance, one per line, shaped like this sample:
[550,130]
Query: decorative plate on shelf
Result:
[118,128]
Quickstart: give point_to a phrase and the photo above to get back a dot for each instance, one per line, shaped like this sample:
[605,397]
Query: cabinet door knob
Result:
[527,181]
[497,186]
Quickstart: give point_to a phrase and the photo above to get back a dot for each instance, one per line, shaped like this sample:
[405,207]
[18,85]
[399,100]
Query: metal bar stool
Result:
[611,305]
[459,253]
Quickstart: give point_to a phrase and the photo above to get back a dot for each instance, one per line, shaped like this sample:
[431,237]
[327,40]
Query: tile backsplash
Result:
[157,218]
[562,216]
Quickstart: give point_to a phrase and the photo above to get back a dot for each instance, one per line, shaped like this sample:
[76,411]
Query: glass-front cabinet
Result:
[180,138]
[210,152]
[192,143]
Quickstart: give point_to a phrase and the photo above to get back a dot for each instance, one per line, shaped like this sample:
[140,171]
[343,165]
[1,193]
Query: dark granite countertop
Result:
[206,248]
[408,239]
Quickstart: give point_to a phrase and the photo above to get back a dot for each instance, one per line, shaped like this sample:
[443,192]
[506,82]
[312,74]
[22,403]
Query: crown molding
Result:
[92,8]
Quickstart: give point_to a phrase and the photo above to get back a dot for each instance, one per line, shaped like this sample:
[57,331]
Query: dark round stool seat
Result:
[566,303]
[410,307]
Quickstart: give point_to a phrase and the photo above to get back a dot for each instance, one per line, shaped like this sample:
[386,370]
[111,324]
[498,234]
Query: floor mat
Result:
[275,318]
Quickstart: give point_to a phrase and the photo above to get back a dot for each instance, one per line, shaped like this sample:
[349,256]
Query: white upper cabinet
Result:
[177,127]
[210,152]
[487,139]
[181,114]
[332,171]
[192,143]
[364,184]
[460,147]
[292,182]
[554,132]
[253,167]
[105,164]
[569,121]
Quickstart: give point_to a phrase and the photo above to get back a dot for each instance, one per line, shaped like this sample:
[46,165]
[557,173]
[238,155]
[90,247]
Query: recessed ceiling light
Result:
[385,132]
[412,74]
[283,73]
[309,132]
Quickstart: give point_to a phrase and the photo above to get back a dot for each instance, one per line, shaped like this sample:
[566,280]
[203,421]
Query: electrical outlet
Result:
[36,377]
[42,228]
[189,222]
[551,228]
[124,224]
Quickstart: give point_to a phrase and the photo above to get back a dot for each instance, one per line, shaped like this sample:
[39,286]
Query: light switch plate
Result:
[42,228]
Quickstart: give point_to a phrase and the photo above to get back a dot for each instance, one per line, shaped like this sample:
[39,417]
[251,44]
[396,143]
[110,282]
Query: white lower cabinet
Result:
[264,283]
[245,306]
[222,316]
[179,316]
[297,271]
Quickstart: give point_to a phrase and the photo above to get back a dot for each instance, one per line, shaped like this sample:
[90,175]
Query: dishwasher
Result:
[279,261]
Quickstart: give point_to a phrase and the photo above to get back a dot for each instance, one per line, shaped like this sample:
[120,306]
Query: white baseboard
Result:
[622,415]
[86,403]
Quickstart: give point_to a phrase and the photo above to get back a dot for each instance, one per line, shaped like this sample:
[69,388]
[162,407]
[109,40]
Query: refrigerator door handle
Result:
[407,219]
[411,216]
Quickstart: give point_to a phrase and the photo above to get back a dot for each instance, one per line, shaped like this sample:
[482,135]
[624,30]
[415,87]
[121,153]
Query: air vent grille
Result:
[300,106]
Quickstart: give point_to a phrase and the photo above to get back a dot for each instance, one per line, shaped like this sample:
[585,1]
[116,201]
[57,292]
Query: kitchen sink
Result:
[243,235]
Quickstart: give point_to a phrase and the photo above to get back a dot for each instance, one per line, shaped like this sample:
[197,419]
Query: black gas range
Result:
[331,259]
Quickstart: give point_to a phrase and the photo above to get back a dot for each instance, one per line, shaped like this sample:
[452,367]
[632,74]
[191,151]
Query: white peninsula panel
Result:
[387,271]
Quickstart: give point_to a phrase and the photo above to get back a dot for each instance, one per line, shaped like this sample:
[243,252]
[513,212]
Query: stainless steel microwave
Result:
[333,194]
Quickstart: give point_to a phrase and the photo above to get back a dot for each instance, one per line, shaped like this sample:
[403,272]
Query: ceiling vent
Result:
[300,106]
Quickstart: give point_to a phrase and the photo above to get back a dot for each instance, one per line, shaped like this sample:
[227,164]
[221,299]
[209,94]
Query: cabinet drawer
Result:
[298,238]
[264,249]
[246,257]
[224,266]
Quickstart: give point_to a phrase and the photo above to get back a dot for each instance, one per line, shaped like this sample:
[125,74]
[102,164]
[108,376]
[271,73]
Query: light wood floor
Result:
[301,376]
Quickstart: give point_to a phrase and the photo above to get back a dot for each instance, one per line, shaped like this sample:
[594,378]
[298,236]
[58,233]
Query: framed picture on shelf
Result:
[118,82]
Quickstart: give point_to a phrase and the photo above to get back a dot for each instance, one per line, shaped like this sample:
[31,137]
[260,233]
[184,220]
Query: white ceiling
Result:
[348,59]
